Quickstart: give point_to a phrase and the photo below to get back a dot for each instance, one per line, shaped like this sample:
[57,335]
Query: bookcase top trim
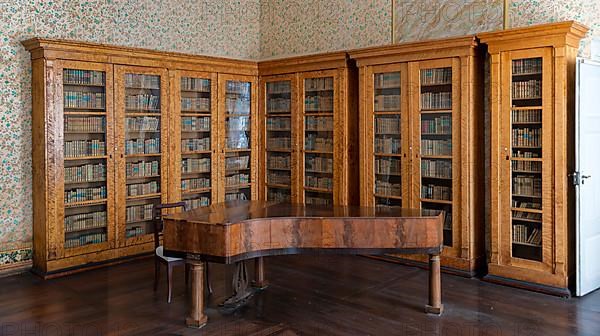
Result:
[310,62]
[570,33]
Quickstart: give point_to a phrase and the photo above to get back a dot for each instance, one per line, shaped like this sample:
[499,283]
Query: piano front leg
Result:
[197,318]
[435,286]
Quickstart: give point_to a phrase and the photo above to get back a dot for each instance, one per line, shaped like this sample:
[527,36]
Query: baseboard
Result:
[15,268]
[561,292]
[90,266]
[424,265]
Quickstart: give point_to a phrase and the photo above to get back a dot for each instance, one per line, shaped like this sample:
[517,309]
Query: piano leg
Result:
[435,286]
[197,318]
[259,273]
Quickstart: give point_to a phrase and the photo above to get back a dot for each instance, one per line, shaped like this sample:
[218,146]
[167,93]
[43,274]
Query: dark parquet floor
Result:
[323,295]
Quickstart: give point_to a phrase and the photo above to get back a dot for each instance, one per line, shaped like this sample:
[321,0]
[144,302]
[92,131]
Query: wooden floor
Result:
[328,295]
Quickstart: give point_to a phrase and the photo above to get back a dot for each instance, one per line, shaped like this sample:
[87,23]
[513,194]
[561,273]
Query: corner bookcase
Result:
[421,131]
[305,158]
[118,130]
[532,154]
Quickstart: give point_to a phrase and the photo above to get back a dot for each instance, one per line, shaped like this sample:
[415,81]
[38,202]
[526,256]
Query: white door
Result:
[588,166]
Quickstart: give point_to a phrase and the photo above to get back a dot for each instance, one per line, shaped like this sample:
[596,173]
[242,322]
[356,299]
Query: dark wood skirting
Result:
[562,292]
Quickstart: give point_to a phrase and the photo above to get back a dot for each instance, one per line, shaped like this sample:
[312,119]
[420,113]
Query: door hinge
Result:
[575,178]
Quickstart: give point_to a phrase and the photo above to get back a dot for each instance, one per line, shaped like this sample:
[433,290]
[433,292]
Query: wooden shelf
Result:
[143,197]
[310,151]
[186,114]
[387,112]
[443,157]
[537,221]
[280,150]
[86,203]
[83,112]
[429,200]
[196,191]
[85,85]
[134,178]
[239,186]
[526,196]
[141,155]
[526,159]
[278,186]
[527,244]
[318,114]
[96,157]
[514,108]
[527,210]
[527,74]
[387,196]
[319,190]
[388,154]
[85,182]
[282,169]
[437,177]
[436,111]
[197,152]
[436,84]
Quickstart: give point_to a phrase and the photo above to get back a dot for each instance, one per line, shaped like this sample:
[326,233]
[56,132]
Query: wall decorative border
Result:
[15,256]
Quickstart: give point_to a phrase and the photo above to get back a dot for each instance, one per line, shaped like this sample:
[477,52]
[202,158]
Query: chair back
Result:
[157,218]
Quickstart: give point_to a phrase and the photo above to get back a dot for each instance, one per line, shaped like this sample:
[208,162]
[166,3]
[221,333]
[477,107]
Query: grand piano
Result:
[235,231]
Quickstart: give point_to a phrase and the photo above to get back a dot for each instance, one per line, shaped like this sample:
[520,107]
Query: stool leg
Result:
[170,280]
[156,273]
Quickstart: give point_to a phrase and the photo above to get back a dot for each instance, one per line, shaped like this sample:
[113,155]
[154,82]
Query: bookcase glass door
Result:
[436,143]
[279,140]
[196,184]
[387,139]
[142,150]
[526,158]
[86,185]
[318,140]
[238,146]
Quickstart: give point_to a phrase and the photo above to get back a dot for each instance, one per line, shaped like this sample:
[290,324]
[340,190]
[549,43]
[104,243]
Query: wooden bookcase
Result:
[306,159]
[532,154]
[111,138]
[421,131]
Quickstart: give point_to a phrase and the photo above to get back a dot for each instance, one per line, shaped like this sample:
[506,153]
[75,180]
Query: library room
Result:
[299,167]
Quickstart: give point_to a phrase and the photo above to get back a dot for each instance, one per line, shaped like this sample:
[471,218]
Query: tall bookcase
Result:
[532,154]
[306,159]
[421,130]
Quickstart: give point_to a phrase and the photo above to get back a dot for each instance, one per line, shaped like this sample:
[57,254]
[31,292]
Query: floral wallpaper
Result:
[225,28]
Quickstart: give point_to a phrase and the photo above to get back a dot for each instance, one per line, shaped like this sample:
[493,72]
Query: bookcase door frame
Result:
[414,84]
[175,135]
[368,118]
[121,188]
[339,127]
[504,229]
[56,236]
[296,187]
[254,133]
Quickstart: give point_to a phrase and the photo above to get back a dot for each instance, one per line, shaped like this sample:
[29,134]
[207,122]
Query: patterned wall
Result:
[209,27]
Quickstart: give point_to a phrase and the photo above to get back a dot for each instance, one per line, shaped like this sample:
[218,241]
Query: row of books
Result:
[279,124]
[236,196]
[195,183]
[142,102]
[318,104]
[138,213]
[316,143]
[387,125]
[237,179]
[436,147]
[525,154]
[197,202]
[318,164]
[195,124]
[527,215]
[318,84]
[527,137]
[279,177]
[85,194]
[78,148]
[521,234]
[195,165]
[142,81]
[84,124]
[241,88]
[526,66]
[531,89]
[387,80]
[319,182]
[139,189]
[279,161]
[142,169]
[389,102]
[436,76]
[279,105]
[142,124]
[82,77]
[436,168]
[440,125]
[234,105]
[527,186]
[320,124]
[387,166]
[237,141]
[142,146]
[436,100]
[527,166]
[198,104]
[284,143]
[83,100]
[526,204]
[279,195]
[387,145]
[134,231]
[195,84]
[90,238]
[526,116]
[194,145]
[85,173]
[237,162]
[278,87]
[388,188]
[436,192]
[85,221]
[318,200]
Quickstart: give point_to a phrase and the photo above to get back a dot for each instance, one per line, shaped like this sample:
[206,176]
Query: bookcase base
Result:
[455,266]
[556,291]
